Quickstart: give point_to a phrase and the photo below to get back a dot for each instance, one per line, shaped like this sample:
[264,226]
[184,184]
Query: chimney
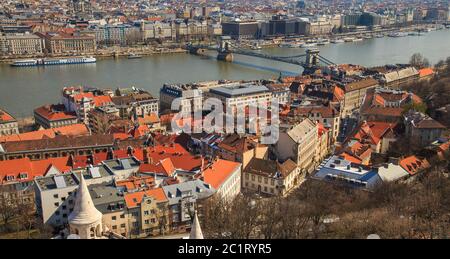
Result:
[147,158]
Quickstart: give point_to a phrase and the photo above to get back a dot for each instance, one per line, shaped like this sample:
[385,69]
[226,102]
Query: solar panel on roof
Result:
[60,182]
[95,172]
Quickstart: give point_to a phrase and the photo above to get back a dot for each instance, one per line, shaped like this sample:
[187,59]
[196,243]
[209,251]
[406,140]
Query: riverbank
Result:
[105,53]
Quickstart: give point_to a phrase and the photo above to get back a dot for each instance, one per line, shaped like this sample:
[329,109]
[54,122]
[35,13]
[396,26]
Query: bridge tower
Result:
[312,57]
[224,52]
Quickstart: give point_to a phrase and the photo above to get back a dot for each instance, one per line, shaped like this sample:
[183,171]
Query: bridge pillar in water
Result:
[224,52]
[312,57]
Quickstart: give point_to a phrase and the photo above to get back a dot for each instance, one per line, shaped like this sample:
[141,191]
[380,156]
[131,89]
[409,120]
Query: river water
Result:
[23,89]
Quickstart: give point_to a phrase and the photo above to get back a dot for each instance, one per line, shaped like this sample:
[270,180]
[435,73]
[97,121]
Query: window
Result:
[253,177]
[153,211]
[113,217]
[147,221]
[55,196]
[146,213]
[259,179]
[153,220]
[64,207]
[63,198]
[123,225]
[266,180]
[56,204]
[114,227]
[122,216]
[64,215]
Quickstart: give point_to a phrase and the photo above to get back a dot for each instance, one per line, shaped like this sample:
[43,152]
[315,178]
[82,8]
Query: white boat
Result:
[308,45]
[48,62]
[379,36]
[397,34]
[25,63]
[69,61]
[337,41]
[357,39]
[322,42]
[348,39]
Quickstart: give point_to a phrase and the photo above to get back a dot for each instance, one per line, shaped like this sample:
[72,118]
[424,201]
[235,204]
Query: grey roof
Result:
[122,164]
[106,197]
[239,90]
[197,189]
[95,172]
[57,181]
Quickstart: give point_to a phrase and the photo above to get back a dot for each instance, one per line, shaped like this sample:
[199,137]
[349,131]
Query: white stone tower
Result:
[196,231]
[85,220]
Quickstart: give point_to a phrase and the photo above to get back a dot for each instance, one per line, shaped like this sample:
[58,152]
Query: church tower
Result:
[85,220]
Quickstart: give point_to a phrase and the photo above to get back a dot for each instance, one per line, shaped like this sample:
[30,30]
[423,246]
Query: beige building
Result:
[271,177]
[298,143]
[328,116]
[69,44]
[8,125]
[354,94]
[148,212]
[21,44]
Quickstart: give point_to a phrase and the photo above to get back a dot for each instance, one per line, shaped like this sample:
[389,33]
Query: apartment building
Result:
[354,93]
[271,177]
[62,43]
[21,44]
[8,124]
[298,143]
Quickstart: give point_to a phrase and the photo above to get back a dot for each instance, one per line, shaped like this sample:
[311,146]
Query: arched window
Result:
[92,232]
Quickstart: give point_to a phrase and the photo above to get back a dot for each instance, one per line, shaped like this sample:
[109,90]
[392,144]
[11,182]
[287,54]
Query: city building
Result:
[53,116]
[240,149]
[148,212]
[354,93]
[422,128]
[8,124]
[225,177]
[21,44]
[340,171]
[61,43]
[271,177]
[298,143]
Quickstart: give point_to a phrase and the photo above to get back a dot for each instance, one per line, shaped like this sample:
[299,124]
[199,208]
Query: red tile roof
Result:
[413,164]
[54,113]
[32,168]
[426,72]
[101,100]
[70,130]
[6,117]
[219,172]
[134,199]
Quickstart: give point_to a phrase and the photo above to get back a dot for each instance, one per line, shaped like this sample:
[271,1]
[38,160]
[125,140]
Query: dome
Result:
[84,212]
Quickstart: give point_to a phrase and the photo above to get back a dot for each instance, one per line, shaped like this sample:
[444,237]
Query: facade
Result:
[271,177]
[241,95]
[241,29]
[328,116]
[8,125]
[21,44]
[354,93]
[56,147]
[168,93]
[298,143]
[422,128]
[55,198]
[148,213]
[183,198]
[59,43]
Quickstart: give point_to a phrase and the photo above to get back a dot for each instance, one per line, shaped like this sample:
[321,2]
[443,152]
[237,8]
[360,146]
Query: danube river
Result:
[23,89]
